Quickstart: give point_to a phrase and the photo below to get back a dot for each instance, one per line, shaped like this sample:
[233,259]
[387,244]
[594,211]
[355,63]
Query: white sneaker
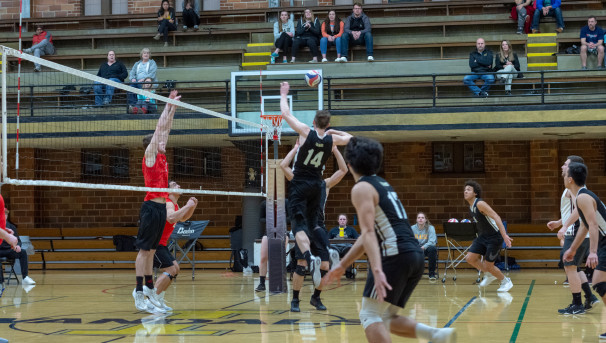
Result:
[153,309]
[324,60]
[488,279]
[161,298]
[506,285]
[338,59]
[140,301]
[343,59]
[314,270]
[28,281]
[445,335]
[370,58]
[333,257]
[152,296]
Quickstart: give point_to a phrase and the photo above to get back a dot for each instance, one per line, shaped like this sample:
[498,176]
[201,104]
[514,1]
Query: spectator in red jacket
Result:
[42,44]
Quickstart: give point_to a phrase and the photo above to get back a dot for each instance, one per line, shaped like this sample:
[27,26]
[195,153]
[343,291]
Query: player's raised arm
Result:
[341,172]
[292,121]
[285,164]
[339,137]
[160,137]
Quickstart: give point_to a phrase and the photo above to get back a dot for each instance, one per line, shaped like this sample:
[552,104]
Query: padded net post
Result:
[276,227]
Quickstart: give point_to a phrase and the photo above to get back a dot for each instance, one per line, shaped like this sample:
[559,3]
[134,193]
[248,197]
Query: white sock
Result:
[424,331]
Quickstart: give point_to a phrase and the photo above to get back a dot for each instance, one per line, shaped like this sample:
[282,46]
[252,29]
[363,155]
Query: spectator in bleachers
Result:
[522,12]
[167,21]
[332,30]
[144,68]
[546,8]
[425,233]
[592,41]
[42,44]
[343,230]
[112,70]
[16,252]
[284,31]
[480,61]
[505,62]
[146,105]
[191,16]
[308,34]
[357,31]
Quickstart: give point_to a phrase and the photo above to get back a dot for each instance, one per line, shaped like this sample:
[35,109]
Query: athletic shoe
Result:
[314,270]
[371,59]
[157,37]
[166,44]
[602,336]
[184,29]
[338,59]
[28,281]
[161,299]
[560,30]
[488,279]
[274,54]
[37,70]
[590,302]
[260,288]
[333,257]
[343,59]
[506,285]
[324,60]
[565,282]
[196,28]
[432,277]
[294,306]
[140,301]
[572,309]
[444,335]
[27,51]
[152,296]
[317,303]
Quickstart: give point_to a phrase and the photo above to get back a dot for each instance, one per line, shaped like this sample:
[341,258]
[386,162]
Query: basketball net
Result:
[274,124]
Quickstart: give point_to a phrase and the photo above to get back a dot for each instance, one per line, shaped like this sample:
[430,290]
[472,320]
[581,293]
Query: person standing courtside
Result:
[152,216]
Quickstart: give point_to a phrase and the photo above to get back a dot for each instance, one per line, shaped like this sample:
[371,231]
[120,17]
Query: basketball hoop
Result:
[274,123]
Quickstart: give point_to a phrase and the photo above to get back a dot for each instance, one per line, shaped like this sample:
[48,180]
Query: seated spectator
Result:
[143,69]
[546,8]
[146,105]
[284,31]
[425,233]
[167,21]
[15,252]
[356,31]
[592,41]
[332,30]
[112,70]
[343,230]
[307,33]
[42,44]
[523,12]
[480,61]
[506,62]
[191,16]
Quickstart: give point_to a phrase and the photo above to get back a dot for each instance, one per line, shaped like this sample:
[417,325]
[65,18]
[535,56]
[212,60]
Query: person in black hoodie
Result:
[307,32]
[113,70]
[356,31]
[480,61]
[167,21]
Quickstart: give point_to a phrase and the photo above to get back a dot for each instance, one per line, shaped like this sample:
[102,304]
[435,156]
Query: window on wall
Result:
[100,165]
[458,157]
[196,162]
[104,7]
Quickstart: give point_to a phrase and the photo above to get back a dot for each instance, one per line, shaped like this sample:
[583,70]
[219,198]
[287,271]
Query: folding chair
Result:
[12,274]
[456,234]
[189,231]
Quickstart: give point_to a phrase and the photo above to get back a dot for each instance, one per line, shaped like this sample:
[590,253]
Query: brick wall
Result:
[9,9]
[243,4]
[54,8]
[146,6]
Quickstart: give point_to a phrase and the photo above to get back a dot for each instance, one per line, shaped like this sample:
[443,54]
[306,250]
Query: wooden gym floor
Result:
[219,306]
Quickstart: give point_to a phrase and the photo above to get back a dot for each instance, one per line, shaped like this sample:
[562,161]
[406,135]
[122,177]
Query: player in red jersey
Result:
[163,258]
[153,211]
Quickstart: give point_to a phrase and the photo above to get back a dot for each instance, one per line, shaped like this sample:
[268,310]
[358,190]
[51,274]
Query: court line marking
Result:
[460,312]
[516,330]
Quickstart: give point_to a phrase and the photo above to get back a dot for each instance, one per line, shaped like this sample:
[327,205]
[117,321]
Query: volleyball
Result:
[313,78]
[453,220]
[465,220]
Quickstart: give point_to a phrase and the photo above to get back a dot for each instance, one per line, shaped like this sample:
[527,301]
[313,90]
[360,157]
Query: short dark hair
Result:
[147,139]
[578,173]
[322,119]
[364,155]
[575,158]
[40,27]
[592,16]
[359,4]
[476,187]
[343,214]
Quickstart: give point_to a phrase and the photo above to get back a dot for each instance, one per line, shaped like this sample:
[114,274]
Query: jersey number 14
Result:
[316,160]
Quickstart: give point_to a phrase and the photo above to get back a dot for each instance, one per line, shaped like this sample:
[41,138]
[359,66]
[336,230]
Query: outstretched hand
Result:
[284,88]
[333,275]
[381,285]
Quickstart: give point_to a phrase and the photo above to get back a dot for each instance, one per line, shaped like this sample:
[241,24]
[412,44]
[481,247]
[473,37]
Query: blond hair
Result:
[144,50]
[313,18]
[502,53]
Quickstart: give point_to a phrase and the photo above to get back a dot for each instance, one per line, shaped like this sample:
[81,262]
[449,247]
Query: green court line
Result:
[516,330]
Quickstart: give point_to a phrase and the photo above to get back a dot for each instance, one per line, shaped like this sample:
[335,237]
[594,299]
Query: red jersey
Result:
[39,38]
[2,218]
[156,177]
[168,227]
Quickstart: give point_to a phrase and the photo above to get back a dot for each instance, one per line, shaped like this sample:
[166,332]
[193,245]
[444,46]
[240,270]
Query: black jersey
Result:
[391,222]
[485,224]
[323,196]
[600,213]
[311,157]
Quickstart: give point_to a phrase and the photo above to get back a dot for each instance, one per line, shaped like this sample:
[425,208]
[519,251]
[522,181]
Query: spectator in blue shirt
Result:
[592,39]
[425,233]
[546,8]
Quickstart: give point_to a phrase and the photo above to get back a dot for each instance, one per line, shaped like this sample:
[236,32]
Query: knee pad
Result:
[300,270]
[170,276]
[600,287]
[372,312]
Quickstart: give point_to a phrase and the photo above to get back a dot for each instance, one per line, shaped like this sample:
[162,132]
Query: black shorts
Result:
[163,258]
[581,251]
[403,273]
[317,246]
[304,201]
[602,254]
[152,218]
[488,246]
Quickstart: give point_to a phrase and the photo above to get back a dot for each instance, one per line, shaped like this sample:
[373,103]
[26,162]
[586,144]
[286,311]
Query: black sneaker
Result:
[260,288]
[603,336]
[590,302]
[294,306]
[572,309]
[432,277]
[317,303]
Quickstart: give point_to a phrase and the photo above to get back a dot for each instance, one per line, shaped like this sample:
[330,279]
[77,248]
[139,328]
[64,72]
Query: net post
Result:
[4,114]
[276,227]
